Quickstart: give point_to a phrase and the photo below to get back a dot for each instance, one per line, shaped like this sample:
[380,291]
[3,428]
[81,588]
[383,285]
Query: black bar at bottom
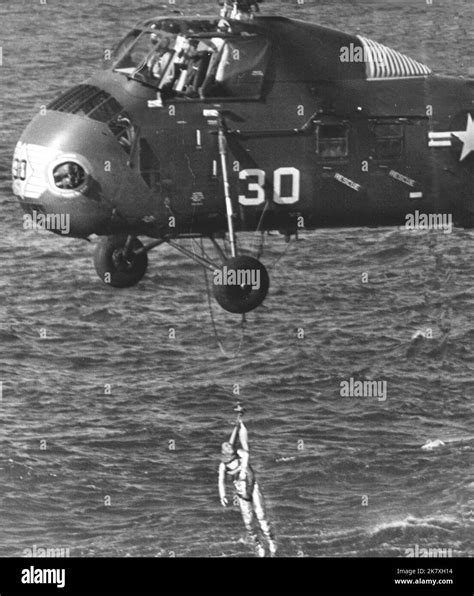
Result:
[292,576]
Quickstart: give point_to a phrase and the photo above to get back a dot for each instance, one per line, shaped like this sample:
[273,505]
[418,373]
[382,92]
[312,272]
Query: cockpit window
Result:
[122,51]
[136,48]
[197,65]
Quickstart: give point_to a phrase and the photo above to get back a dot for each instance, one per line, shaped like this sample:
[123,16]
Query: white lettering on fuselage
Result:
[348,182]
[401,178]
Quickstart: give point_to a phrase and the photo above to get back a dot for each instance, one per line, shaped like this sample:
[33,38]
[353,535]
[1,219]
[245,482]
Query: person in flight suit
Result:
[239,9]
[235,463]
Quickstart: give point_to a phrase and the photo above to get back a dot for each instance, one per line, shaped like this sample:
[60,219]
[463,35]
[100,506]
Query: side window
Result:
[124,131]
[149,165]
[388,141]
[237,69]
[332,141]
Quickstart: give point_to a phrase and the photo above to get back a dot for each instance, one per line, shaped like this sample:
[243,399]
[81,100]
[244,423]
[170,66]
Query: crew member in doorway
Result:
[239,9]
[235,463]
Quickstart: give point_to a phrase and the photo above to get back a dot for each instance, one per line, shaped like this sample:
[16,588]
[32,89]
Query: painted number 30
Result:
[255,185]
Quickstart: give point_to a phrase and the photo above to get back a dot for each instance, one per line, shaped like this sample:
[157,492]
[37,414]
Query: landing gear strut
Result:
[240,284]
[244,281]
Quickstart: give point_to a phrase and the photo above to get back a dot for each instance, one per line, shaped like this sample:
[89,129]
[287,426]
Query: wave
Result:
[438,443]
[100,315]
[437,522]
[9,336]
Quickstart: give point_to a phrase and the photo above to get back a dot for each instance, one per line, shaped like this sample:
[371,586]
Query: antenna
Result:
[239,9]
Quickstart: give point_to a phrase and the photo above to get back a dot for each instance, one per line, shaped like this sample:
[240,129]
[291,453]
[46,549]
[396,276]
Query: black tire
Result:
[240,299]
[116,270]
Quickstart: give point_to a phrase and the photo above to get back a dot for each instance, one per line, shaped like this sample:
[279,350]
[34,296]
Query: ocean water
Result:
[110,429]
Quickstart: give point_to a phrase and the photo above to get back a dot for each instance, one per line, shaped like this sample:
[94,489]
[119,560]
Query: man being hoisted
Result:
[235,463]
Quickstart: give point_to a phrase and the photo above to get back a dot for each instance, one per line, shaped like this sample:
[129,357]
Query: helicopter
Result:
[207,127]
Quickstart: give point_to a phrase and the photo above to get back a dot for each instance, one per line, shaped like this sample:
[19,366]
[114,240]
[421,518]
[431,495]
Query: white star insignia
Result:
[466,137]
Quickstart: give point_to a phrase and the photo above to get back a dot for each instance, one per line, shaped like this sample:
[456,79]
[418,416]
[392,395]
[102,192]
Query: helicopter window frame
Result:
[124,62]
[198,92]
[190,64]
[225,57]
[123,48]
[339,145]
[387,146]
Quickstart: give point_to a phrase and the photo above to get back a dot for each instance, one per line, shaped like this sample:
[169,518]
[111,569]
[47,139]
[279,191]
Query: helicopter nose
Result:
[56,173]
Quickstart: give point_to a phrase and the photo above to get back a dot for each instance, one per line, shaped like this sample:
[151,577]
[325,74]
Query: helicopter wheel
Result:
[117,263]
[236,297]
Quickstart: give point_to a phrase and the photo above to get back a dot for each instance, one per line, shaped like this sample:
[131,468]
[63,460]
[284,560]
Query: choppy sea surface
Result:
[132,471]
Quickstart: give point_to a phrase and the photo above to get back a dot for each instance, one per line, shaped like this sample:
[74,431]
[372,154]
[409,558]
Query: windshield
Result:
[134,50]
[195,66]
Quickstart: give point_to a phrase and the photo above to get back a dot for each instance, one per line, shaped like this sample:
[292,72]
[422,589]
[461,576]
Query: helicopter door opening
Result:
[149,165]
[403,175]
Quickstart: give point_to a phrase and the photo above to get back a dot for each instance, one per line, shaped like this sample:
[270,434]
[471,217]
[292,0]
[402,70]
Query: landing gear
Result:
[120,262]
[241,285]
